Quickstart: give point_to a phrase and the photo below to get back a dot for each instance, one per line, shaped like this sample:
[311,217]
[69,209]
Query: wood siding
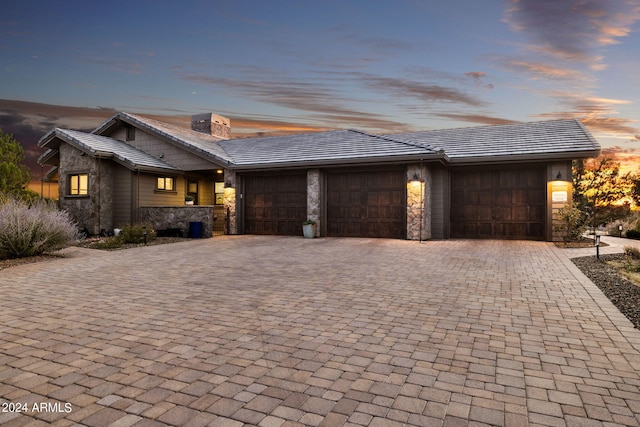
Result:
[439,179]
[122,196]
[170,152]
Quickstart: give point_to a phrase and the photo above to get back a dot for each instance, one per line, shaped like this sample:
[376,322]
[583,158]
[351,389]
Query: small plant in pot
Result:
[188,200]
[309,229]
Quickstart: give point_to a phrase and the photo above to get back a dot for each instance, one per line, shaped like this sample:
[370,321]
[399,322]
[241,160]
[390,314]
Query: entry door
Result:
[499,204]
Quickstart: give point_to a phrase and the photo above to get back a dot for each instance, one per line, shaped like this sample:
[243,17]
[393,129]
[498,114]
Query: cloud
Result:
[428,93]
[476,118]
[629,158]
[478,78]
[573,29]
[541,70]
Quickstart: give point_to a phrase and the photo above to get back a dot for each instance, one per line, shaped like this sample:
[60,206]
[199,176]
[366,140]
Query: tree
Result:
[14,175]
[600,190]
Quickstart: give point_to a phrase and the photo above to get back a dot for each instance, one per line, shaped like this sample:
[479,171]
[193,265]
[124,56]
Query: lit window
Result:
[79,184]
[166,183]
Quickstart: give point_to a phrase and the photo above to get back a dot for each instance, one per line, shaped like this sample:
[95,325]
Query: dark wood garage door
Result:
[499,204]
[367,204]
[275,204]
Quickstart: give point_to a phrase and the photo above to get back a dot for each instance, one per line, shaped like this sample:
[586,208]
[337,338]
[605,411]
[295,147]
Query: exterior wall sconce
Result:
[559,176]
[228,184]
[416,179]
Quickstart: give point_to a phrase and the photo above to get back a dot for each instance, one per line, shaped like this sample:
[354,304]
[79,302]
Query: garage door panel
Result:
[375,206]
[275,204]
[506,203]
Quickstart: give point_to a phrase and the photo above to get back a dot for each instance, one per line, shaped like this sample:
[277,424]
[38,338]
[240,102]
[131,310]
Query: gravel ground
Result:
[623,293]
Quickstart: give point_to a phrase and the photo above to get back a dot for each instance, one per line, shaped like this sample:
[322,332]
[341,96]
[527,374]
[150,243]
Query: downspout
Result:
[99,198]
[138,197]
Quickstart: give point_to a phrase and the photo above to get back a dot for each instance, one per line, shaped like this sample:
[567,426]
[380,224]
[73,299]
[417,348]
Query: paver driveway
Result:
[277,331]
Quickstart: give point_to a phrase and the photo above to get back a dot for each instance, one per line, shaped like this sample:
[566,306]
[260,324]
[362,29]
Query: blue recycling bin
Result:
[195,230]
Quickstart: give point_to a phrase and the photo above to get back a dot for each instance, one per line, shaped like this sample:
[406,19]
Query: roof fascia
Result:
[488,160]
[368,161]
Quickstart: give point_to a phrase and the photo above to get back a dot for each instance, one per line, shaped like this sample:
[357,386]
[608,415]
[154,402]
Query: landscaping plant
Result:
[33,228]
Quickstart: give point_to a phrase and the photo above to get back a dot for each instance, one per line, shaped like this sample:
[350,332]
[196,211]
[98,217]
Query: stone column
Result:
[418,202]
[313,197]
[230,184]
[559,195]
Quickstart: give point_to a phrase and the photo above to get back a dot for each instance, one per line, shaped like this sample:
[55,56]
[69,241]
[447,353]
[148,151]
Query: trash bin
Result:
[195,230]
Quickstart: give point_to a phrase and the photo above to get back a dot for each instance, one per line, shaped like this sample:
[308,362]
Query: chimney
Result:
[211,124]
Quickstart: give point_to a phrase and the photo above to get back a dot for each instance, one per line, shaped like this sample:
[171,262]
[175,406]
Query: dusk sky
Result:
[273,66]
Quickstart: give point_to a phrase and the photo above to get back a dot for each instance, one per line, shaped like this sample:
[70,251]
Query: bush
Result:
[135,233]
[632,252]
[632,234]
[28,229]
[571,222]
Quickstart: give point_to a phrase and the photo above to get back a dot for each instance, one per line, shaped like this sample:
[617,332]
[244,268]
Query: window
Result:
[219,190]
[166,183]
[131,133]
[79,184]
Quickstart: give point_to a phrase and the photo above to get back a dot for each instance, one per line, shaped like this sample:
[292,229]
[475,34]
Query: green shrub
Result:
[113,242]
[571,222]
[33,228]
[135,233]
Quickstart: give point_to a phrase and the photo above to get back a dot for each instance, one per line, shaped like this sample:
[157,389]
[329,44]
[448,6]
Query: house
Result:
[503,182]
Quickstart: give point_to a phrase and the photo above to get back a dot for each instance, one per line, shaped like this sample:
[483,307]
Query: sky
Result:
[299,66]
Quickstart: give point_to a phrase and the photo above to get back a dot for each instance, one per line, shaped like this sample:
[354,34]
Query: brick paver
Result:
[284,331]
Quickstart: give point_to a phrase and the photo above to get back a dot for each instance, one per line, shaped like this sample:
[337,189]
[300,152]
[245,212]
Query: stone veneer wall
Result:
[418,203]
[313,197]
[562,187]
[230,184]
[95,210]
[163,217]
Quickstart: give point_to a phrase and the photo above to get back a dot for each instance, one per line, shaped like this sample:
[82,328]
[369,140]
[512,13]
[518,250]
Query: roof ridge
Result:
[400,141]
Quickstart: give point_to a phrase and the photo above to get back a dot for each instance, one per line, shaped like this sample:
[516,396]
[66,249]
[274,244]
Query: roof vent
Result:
[211,124]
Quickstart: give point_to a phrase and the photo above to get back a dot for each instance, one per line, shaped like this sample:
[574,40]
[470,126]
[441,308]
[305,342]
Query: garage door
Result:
[367,204]
[275,204]
[499,204]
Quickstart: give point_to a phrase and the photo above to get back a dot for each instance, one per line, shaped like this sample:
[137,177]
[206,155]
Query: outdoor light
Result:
[597,246]
[228,184]
[415,179]
[620,229]
[559,176]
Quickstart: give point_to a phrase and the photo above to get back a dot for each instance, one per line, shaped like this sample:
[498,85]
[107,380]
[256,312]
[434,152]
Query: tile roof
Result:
[554,138]
[207,145]
[322,148]
[103,146]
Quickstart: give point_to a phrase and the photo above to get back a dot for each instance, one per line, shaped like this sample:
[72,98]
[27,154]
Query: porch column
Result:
[418,202]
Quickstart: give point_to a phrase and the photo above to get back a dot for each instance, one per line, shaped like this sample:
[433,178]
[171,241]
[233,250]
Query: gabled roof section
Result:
[323,148]
[197,142]
[558,139]
[104,147]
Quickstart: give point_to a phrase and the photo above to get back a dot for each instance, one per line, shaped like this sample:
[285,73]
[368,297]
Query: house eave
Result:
[525,158]
[355,161]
